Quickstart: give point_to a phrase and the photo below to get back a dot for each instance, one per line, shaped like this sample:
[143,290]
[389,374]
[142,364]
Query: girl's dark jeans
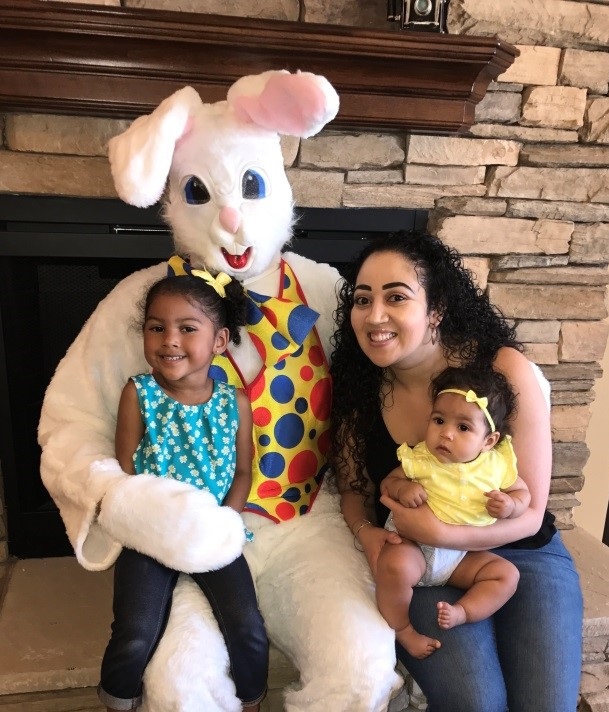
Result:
[142,600]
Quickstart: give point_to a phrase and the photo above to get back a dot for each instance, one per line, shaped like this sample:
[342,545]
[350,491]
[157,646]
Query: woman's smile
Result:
[381,337]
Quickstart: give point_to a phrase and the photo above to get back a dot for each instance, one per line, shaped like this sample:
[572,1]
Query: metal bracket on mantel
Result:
[122,62]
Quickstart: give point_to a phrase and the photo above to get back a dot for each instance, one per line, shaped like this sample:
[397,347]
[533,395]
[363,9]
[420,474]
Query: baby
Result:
[465,471]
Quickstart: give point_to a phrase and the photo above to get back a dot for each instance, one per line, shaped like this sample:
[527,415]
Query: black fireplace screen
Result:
[58,258]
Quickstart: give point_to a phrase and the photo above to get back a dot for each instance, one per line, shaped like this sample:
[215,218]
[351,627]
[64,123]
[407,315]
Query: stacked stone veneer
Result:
[524,195]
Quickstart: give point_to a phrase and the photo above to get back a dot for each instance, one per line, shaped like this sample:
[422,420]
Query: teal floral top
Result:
[190,443]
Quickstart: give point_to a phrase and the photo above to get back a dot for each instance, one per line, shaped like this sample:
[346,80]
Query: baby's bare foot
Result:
[450,616]
[419,646]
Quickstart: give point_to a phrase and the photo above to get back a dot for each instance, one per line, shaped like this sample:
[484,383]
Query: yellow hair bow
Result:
[218,282]
[471,397]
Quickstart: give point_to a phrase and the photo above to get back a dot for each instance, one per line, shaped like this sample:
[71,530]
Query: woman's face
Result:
[390,314]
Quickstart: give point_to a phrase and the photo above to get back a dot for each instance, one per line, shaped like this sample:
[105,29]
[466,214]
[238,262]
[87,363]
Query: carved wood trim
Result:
[120,62]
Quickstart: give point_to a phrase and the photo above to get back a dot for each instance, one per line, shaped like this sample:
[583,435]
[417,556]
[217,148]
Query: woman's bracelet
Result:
[355,531]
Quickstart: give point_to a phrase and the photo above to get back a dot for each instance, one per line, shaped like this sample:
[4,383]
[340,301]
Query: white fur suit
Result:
[229,205]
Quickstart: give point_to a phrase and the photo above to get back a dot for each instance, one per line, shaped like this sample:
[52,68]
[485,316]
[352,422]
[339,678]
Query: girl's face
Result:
[458,431]
[390,316]
[179,340]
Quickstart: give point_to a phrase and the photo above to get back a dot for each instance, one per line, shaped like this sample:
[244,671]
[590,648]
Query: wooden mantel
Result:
[120,62]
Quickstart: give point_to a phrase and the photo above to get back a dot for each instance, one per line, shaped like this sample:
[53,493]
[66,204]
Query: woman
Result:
[407,310]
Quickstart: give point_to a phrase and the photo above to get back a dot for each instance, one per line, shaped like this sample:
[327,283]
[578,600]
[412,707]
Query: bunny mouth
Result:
[237,261]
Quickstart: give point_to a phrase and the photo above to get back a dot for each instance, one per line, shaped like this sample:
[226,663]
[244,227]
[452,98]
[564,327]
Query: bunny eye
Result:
[253,185]
[195,192]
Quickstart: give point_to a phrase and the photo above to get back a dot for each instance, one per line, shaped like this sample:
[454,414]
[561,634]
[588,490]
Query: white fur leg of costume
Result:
[192,656]
[319,608]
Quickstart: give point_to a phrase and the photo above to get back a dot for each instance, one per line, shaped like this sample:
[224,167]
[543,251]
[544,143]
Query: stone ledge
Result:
[51,642]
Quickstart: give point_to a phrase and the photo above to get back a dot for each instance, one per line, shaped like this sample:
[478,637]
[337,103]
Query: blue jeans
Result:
[527,658]
[143,590]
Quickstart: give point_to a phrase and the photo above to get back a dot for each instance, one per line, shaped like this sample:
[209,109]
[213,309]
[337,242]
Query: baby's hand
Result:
[402,490]
[499,505]
[408,493]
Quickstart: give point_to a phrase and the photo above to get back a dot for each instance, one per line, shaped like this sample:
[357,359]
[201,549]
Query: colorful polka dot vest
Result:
[290,400]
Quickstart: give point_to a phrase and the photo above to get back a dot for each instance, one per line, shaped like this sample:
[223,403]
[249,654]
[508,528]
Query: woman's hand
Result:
[373,539]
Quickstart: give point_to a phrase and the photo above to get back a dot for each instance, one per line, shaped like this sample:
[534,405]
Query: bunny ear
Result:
[298,104]
[140,157]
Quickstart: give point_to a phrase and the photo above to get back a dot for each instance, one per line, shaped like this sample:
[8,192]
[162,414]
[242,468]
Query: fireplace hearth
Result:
[58,258]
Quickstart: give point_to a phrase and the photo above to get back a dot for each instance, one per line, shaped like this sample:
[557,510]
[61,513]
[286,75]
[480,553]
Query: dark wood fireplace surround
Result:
[120,62]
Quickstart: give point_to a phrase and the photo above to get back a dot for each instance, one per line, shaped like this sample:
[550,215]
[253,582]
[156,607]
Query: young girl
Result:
[177,422]
[465,470]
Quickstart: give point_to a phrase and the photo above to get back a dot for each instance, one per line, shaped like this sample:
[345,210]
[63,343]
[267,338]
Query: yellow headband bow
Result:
[218,282]
[471,397]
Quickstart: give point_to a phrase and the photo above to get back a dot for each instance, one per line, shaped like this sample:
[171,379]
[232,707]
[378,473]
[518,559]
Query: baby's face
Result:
[458,431]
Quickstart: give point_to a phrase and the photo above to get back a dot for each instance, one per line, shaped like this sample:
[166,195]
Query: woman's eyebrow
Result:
[362,286]
[392,285]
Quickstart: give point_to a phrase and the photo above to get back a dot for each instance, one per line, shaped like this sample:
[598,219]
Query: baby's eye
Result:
[188,329]
[195,192]
[155,329]
[253,185]
[438,421]
[463,428]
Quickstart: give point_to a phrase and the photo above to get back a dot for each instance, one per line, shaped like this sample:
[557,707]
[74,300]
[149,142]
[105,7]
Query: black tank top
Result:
[381,458]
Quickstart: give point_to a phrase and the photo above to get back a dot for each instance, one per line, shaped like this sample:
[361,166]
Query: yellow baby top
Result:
[455,491]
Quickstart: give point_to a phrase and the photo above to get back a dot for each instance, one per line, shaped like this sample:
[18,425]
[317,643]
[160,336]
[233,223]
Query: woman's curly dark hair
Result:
[229,311]
[471,332]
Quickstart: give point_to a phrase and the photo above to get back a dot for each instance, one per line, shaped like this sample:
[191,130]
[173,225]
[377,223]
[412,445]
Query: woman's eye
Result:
[253,186]
[195,192]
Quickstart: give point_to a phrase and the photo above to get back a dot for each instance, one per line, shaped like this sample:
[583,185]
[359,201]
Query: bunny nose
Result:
[230,219]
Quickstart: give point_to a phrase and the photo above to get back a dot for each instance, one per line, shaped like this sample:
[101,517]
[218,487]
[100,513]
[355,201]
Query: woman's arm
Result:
[366,536]
[532,441]
[238,493]
[129,427]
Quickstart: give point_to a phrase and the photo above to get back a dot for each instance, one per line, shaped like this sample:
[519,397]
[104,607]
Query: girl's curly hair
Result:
[229,311]
[471,332]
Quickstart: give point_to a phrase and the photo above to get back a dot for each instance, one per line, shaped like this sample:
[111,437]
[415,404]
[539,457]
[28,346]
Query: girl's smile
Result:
[180,341]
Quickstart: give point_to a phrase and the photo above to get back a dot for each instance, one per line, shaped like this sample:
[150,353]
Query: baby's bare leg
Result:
[489,581]
[399,568]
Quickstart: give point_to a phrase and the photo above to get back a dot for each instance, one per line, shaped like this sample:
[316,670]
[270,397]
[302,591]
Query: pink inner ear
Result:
[289,104]
[187,130]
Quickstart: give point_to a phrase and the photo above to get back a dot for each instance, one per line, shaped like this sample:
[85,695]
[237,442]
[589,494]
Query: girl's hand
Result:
[373,539]
[499,504]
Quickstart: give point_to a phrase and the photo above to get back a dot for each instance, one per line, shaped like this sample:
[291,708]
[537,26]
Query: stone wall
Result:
[524,196]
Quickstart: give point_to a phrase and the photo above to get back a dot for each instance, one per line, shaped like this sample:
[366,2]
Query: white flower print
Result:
[194,444]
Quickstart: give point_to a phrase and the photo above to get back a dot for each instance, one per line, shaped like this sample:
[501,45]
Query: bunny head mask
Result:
[219,167]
